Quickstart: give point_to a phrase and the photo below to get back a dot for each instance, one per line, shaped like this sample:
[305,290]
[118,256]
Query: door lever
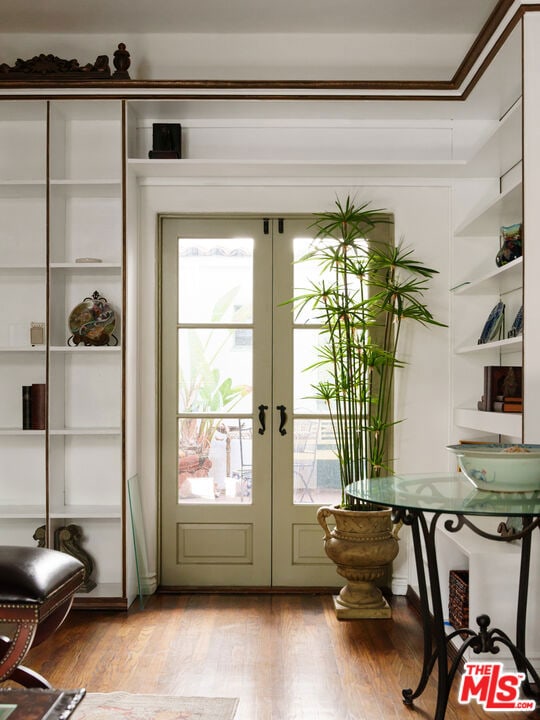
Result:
[282,419]
[262,418]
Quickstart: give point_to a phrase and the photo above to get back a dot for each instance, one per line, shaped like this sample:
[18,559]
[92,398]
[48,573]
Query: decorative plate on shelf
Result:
[92,322]
[493,326]
[517,325]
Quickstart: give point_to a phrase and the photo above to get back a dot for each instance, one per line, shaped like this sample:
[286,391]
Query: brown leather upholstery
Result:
[31,575]
[36,591]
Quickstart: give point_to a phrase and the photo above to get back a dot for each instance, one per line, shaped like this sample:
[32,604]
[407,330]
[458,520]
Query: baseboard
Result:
[399,586]
[248,590]
[149,584]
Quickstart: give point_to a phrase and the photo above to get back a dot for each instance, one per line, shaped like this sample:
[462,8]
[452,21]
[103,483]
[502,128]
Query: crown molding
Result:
[503,19]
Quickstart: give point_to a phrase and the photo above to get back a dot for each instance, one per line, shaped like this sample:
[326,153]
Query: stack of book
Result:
[34,406]
[508,403]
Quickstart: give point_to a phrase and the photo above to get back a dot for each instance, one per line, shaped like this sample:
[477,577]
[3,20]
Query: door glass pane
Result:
[315,468]
[315,465]
[214,460]
[215,369]
[305,273]
[306,341]
[309,274]
[223,268]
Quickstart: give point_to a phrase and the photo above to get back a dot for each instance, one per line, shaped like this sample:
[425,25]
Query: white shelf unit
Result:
[23,296]
[62,238]
[490,423]
[472,304]
[479,284]
[513,343]
[85,383]
[223,140]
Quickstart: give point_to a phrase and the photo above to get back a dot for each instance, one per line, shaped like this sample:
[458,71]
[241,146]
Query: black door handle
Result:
[262,418]
[282,419]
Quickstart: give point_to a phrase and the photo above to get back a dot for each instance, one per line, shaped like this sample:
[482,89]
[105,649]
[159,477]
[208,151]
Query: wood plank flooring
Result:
[285,656]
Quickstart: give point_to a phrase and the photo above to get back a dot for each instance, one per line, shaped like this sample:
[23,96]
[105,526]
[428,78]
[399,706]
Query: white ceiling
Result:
[245,16]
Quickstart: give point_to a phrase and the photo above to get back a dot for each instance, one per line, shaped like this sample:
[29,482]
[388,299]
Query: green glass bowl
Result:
[500,467]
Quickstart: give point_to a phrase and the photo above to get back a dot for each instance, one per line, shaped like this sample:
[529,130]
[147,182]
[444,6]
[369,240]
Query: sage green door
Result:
[246,456]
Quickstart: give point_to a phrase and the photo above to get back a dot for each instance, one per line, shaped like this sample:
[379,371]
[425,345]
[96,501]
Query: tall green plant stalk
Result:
[368,289]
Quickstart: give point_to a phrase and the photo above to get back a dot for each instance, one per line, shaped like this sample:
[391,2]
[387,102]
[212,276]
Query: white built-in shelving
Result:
[478,283]
[23,282]
[61,201]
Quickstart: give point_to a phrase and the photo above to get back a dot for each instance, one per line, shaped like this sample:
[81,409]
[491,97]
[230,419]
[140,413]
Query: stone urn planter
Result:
[362,545]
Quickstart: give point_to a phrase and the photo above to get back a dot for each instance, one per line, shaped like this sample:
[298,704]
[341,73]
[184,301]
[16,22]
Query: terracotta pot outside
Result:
[362,545]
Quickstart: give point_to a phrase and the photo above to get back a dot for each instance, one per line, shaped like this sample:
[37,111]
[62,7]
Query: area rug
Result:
[130,706]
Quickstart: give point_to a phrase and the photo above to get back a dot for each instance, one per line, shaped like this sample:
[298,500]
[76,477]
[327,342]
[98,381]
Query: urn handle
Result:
[322,514]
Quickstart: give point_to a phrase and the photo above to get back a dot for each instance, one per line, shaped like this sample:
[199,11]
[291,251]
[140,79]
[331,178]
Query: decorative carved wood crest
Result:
[50,67]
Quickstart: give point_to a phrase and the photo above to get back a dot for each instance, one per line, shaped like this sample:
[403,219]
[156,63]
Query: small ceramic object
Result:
[511,245]
[92,322]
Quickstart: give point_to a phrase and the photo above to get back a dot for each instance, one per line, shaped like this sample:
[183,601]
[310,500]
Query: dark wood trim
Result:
[209,83]
[251,590]
[125,508]
[183,95]
[482,39]
[494,50]
[99,603]
[411,88]
[49,535]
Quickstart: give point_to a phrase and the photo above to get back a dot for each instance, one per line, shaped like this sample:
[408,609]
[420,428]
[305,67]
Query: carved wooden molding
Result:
[50,67]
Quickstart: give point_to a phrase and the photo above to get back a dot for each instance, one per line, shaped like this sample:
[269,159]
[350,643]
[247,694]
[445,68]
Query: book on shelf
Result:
[26,407]
[500,381]
[508,403]
[34,406]
[38,406]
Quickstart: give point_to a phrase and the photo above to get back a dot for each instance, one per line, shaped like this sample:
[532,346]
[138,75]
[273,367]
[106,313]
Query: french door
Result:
[246,456]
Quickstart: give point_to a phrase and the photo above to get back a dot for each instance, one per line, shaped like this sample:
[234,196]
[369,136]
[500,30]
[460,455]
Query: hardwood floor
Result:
[285,656]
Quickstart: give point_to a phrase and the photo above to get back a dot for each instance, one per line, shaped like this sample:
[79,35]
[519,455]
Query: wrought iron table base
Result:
[485,640]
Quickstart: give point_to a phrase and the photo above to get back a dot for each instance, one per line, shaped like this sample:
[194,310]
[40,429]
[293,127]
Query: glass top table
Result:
[443,493]
[420,501]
